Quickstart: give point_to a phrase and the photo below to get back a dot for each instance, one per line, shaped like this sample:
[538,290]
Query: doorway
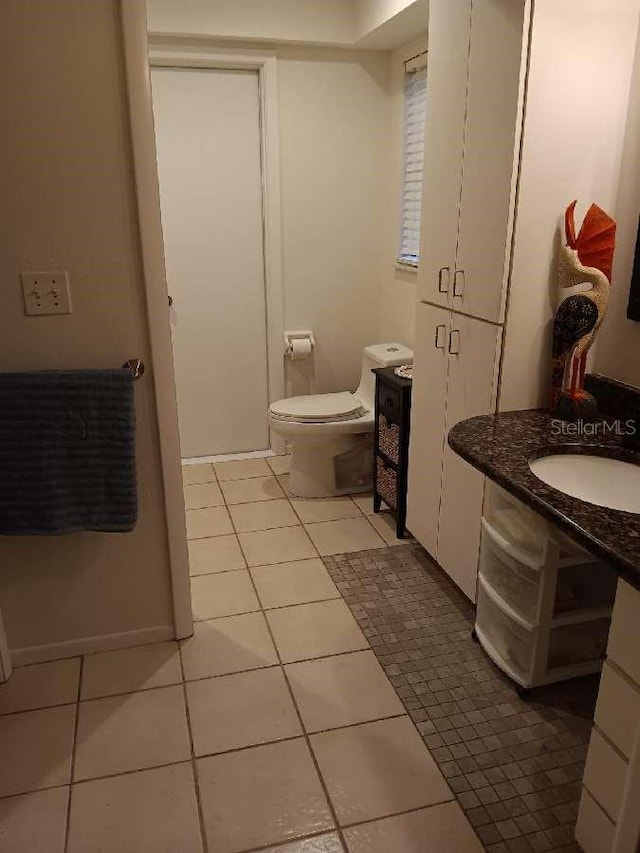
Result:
[209,143]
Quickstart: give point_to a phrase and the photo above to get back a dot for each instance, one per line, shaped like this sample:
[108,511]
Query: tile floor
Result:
[275,727]
[515,766]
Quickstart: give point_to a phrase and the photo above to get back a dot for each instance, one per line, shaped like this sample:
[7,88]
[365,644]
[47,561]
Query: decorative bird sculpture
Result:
[585,259]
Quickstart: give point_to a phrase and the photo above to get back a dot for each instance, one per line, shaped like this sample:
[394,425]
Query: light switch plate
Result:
[46,293]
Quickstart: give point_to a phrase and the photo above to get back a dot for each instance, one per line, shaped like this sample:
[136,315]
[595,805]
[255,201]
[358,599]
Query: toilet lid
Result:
[318,408]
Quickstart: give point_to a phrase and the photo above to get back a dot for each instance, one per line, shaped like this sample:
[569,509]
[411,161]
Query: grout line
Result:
[38,708]
[305,734]
[194,769]
[74,748]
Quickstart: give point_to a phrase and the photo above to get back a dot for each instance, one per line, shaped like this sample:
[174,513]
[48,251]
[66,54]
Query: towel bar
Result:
[136,366]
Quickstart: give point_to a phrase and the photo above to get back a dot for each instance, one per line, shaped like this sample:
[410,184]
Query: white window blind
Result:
[415,95]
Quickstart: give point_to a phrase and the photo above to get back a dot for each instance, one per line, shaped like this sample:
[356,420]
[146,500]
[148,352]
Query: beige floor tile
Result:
[385,524]
[282,545]
[212,521]
[318,844]
[364,502]
[251,491]
[154,810]
[259,796]
[241,469]
[201,472]
[299,582]
[223,594]
[128,670]
[34,823]
[378,769]
[35,749]
[201,495]
[232,644]
[342,537]
[263,515]
[239,710]
[325,509]
[41,686]
[445,827]
[315,630]
[279,464]
[283,479]
[216,554]
[131,732]
[342,690]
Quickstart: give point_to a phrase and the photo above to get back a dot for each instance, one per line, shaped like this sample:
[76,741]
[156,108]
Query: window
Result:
[415,95]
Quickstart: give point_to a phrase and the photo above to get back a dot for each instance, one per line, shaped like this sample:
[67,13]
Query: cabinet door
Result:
[473,365]
[491,152]
[449,28]
[427,423]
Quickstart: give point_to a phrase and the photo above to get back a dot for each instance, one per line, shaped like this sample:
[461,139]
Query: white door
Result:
[491,150]
[449,30]
[473,364]
[428,403]
[209,165]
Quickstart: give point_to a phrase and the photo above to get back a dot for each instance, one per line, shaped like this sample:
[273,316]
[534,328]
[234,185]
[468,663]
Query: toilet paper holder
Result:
[301,335]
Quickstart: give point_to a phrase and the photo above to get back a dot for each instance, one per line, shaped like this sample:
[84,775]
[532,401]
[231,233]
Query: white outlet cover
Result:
[46,293]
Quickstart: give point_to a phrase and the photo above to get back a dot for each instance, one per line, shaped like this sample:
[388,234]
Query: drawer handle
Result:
[454,348]
[441,279]
[440,336]
[458,283]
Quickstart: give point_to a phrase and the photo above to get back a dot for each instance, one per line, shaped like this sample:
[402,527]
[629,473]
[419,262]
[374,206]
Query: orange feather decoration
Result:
[596,239]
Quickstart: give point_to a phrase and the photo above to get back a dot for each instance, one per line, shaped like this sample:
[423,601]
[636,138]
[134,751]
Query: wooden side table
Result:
[391,444]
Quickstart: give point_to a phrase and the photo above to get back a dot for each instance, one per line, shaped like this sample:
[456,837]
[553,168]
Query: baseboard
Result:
[89,645]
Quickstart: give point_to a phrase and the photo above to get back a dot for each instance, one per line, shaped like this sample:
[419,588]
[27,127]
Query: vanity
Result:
[583,486]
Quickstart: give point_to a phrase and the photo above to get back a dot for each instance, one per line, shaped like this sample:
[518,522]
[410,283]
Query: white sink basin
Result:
[594,479]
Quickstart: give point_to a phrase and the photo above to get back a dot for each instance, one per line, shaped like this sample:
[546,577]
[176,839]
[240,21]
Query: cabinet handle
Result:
[456,350]
[441,279]
[458,283]
[440,338]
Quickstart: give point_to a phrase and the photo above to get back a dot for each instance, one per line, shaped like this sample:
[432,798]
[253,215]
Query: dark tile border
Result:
[515,766]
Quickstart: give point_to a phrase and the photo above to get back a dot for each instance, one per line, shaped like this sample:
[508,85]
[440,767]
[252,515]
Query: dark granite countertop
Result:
[501,446]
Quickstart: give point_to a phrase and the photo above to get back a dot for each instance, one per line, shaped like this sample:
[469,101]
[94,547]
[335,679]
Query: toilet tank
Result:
[379,355]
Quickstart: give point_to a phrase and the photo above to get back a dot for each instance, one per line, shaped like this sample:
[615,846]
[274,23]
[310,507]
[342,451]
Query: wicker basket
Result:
[387,484]
[389,439]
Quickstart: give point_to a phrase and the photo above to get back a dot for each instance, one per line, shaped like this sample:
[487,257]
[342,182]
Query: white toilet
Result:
[331,435]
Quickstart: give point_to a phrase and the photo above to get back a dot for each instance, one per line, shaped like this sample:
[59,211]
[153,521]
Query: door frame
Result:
[177,52]
[138,124]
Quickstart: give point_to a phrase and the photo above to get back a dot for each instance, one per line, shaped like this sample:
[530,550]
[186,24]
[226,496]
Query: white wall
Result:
[335,135]
[388,24]
[371,24]
[68,204]
[618,348]
[580,68]
[398,289]
[318,21]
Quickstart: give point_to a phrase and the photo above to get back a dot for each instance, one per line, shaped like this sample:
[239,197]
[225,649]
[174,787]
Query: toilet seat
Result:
[318,408]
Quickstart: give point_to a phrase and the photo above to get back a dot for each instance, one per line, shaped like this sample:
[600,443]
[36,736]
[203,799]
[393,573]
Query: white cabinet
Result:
[454,378]
[475,84]
[449,28]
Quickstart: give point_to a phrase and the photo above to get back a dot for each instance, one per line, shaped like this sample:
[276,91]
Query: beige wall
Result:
[577,98]
[398,289]
[321,21]
[68,204]
[618,349]
[335,135]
